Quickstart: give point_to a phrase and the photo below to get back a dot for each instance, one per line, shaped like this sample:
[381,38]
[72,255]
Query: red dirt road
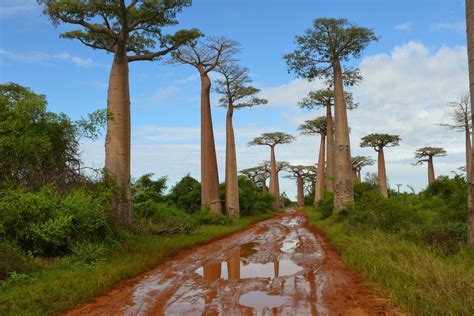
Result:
[277,267]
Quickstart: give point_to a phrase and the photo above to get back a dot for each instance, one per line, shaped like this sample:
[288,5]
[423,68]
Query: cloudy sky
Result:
[417,67]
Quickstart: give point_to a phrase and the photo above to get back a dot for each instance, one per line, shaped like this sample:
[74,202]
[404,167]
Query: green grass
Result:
[58,288]
[417,280]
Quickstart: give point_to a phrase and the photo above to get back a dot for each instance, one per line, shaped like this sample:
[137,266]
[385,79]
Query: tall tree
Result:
[461,122]
[280,166]
[300,173]
[236,93]
[359,162]
[131,32]
[470,53]
[313,127]
[426,154]
[258,175]
[324,98]
[378,142]
[319,54]
[272,140]
[205,55]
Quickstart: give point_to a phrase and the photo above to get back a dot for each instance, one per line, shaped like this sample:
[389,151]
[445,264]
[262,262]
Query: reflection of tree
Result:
[276,268]
[212,271]
[233,264]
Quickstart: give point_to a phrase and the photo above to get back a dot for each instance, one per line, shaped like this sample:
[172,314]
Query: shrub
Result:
[87,252]
[325,205]
[186,194]
[253,200]
[13,259]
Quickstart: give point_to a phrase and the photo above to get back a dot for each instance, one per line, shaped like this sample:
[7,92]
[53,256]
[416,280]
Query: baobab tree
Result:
[205,55]
[426,154]
[461,122]
[324,98]
[236,93]
[378,142]
[131,32]
[470,55]
[359,162]
[280,166]
[313,127]
[300,173]
[272,140]
[319,54]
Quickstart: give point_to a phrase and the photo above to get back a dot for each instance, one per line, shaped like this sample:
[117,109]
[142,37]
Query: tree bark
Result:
[470,53]
[231,179]
[210,195]
[382,174]
[431,174]
[343,190]
[274,185]
[330,160]
[118,138]
[468,153]
[300,188]
[319,190]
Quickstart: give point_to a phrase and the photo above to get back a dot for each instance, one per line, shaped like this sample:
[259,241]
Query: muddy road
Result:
[277,267]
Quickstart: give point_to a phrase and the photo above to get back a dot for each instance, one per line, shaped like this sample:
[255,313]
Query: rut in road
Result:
[277,267]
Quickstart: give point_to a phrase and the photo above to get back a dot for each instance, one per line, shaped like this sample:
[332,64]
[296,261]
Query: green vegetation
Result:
[413,245]
[58,244]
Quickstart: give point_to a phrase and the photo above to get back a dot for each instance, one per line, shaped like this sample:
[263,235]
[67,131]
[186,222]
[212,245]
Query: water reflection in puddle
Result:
[237,266]
[261,301]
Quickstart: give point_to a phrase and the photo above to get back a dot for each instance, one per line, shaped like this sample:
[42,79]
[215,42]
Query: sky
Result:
[417,67]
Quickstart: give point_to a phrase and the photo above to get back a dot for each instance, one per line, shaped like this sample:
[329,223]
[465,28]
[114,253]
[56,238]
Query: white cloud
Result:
[41,57]
[289,94]
[17,7]
[458,27]
[406,26]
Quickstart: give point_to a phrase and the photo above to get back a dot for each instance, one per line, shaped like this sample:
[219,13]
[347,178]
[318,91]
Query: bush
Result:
[87,252]
[207,218]
[186,194]
[13,259]
[253,200]
[325,205]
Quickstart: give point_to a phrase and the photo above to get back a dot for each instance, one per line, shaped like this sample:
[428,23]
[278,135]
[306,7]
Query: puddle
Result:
[261,301]
[289,246]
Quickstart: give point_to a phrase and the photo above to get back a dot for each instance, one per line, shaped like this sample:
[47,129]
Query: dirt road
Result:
[277,267]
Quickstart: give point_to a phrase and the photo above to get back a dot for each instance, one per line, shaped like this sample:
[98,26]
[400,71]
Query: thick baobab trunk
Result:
[319,190]
[300,188]
[330,160]
[431,174]
[470,53]
[231,179]
[343,191]
[382,174]
[117,142]
[210,196]
[274,185]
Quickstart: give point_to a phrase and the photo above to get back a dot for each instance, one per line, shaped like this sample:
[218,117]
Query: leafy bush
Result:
[13,259]
[87,252]
[325,205]
[186,194]
[205,217]
[145,189]
[253,200]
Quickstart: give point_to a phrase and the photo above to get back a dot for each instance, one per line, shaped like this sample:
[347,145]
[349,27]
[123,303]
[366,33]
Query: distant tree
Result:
[206,55]
[470,53]
[130,31]
[319,54]
[146,189]
[378,142]
[462,122]
[398,187]
[300,173]
[324,98]
[266,165]
[313,127]
[359,162]
[236,93]
[271,140]
[426,154]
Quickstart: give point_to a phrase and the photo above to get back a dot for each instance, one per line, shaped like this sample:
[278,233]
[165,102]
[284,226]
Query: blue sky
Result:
[418,66]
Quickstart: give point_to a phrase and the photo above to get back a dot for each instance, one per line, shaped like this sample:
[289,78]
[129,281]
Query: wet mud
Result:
[277,267]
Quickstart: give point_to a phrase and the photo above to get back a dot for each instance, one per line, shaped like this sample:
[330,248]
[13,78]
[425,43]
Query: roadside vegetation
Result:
[413,245]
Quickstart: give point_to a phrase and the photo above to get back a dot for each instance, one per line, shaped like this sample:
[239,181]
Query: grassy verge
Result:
[417,280]
[60,287]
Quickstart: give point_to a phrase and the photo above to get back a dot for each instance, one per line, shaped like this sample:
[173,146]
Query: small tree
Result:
[235,94]
[461,122]
[324,98]
[378,142]
[313,127]
[130,32]
[426,154]
[319,54]
[300,173]
[272,140]
[358,162]
[206,55]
